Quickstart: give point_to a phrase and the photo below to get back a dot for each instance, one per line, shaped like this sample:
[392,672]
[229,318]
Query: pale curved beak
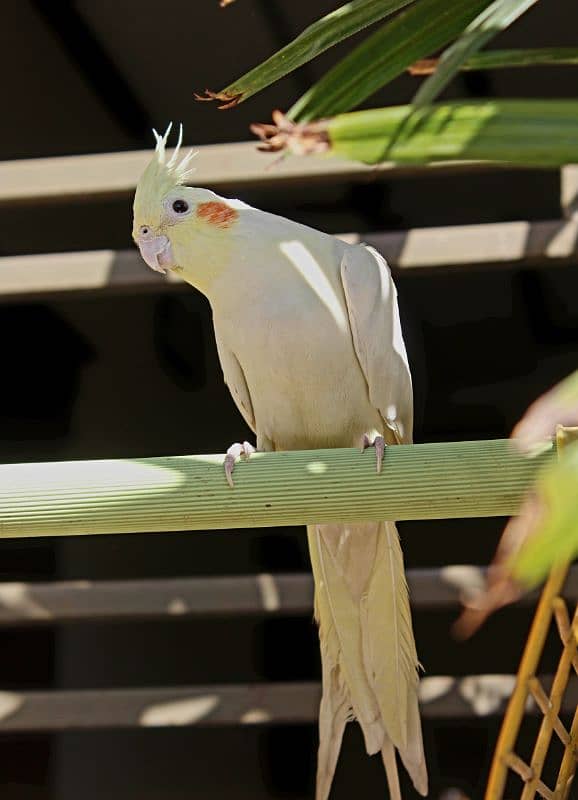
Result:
[156,252]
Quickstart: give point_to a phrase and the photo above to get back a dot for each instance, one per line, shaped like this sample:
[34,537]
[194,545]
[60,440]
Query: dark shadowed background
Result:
[137,375]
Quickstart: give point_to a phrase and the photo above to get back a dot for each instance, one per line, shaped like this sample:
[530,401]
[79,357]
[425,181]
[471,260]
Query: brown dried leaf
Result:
[559,406]
[425,66]
[501,588]
[228,100]
[283,134]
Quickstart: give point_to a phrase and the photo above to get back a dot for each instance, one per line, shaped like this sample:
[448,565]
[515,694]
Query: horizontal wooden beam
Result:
[91,271]
[544,243]
[423,481]
[279,594]
[235,164]
[548,243]
[441,696]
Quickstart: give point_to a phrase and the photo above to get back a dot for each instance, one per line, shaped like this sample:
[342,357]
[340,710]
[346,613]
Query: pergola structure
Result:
[114,634]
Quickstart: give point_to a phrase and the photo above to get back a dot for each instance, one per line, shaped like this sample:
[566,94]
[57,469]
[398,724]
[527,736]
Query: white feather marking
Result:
[179,171]
[161,141]
[182,170]
[175,155]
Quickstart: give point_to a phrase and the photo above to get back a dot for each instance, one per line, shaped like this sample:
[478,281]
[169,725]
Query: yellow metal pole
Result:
[504,756]
[527,671]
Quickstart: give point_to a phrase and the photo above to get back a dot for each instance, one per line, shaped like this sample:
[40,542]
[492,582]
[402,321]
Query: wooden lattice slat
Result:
[551,607]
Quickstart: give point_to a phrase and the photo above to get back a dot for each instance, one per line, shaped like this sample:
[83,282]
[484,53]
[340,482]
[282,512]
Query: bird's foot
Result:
[378,442]
[234,453]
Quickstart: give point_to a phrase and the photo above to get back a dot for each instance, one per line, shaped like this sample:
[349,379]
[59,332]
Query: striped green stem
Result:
[524,132]
[425,481]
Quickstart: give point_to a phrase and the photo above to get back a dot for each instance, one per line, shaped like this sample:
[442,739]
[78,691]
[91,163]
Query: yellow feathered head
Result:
[158,180]
[178,227]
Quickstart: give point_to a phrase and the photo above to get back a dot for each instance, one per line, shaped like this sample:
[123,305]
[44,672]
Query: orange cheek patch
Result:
[219,214]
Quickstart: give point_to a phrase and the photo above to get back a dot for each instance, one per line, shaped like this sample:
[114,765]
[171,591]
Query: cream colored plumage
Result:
[310,342]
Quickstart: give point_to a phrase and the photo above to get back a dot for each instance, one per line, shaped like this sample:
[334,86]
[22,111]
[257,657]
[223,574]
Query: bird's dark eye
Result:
[180,206]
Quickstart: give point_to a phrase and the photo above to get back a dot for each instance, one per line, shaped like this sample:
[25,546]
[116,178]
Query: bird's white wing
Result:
[389,654]
[235,380]
[371,300]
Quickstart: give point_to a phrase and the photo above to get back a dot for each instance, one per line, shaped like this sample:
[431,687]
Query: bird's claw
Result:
[234,453]
[379,443]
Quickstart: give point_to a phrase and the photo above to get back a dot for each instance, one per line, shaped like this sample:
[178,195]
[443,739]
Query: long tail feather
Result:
[386,622]
[334,714]
[390,764]
[367,648]
[338,609]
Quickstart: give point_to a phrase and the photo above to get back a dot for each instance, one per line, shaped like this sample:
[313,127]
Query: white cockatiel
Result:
[309,339]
